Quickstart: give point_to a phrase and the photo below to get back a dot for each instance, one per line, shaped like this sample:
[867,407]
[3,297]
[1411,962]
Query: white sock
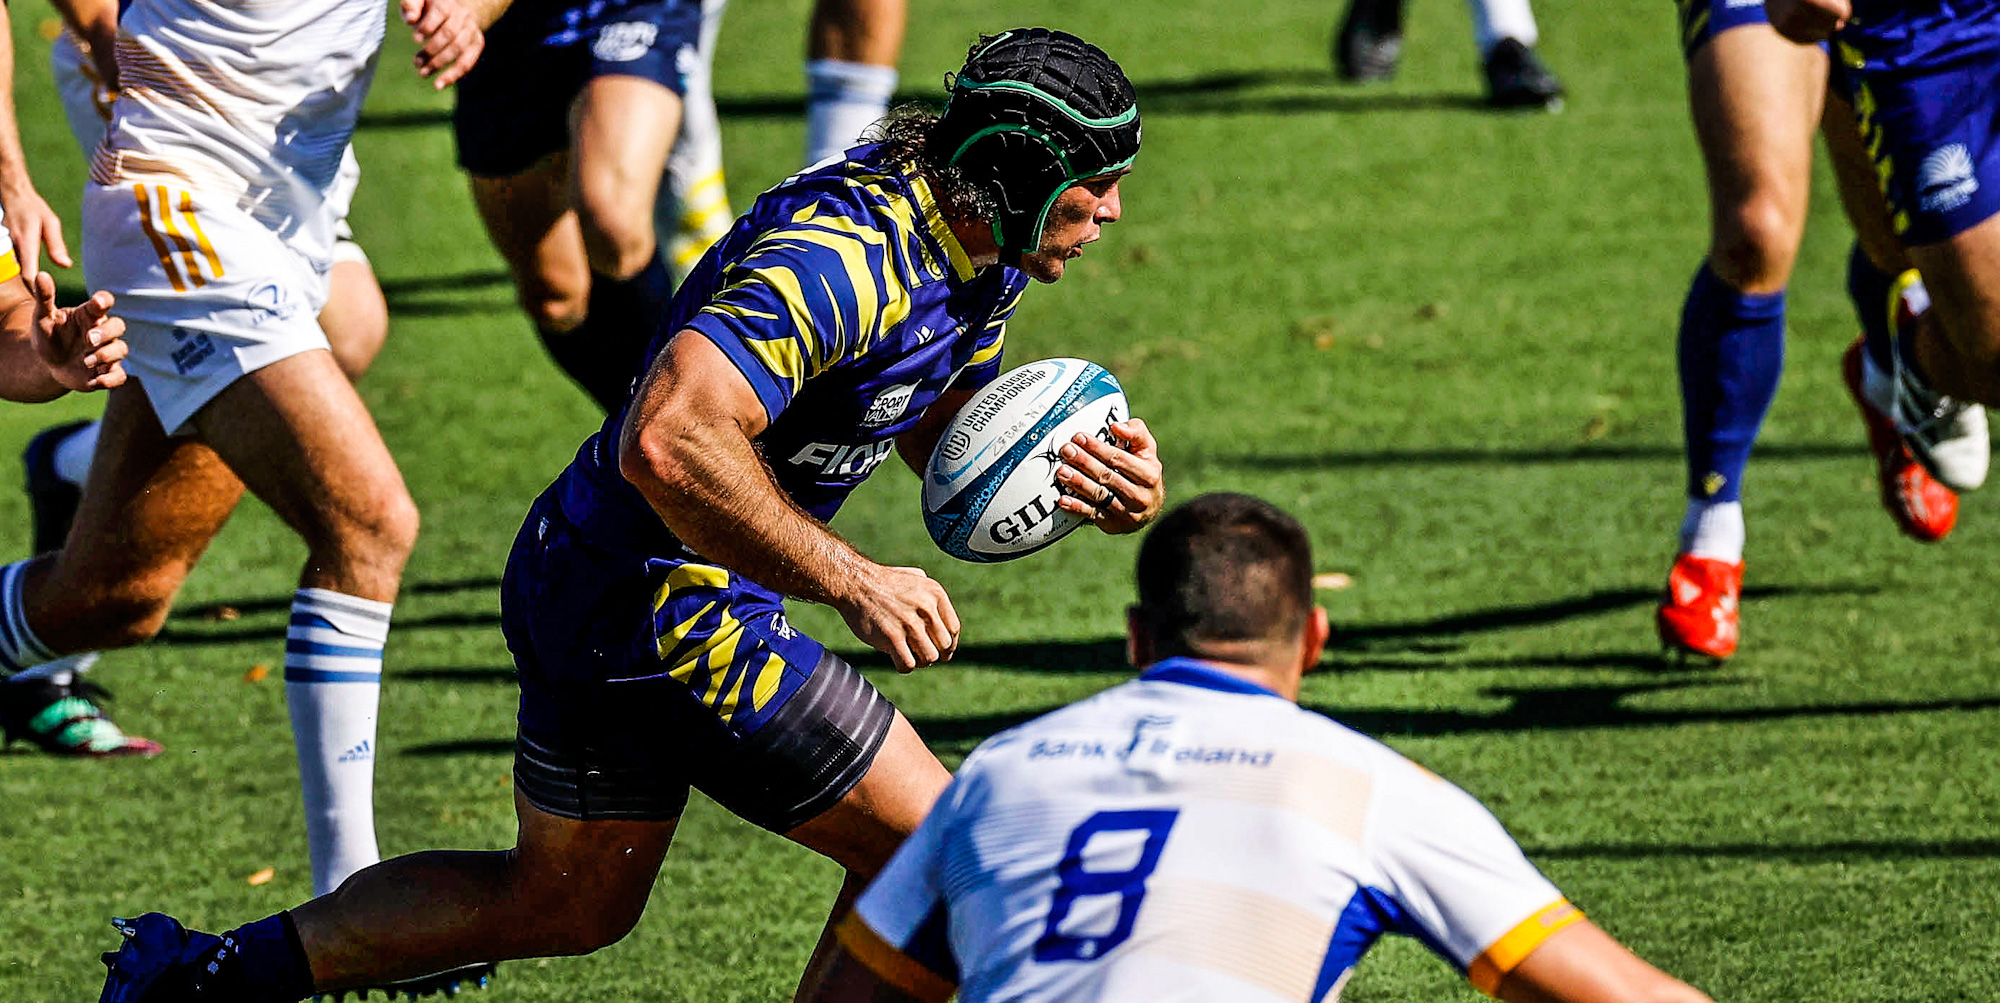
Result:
[842,100]
[20,649]
[1493,20]
[1713,530]
[72,455]
[694,206]
[333,684]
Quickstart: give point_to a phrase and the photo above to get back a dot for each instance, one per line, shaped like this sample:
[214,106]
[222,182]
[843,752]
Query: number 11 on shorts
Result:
[1075,880]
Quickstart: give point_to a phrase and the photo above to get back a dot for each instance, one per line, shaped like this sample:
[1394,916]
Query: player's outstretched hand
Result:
[448,36]
[81,345]
[1117,485]
[902,613]
[1808,22]
[33,226]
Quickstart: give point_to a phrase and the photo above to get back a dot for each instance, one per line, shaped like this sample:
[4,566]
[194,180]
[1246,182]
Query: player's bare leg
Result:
[623,131]
[693,208]
[576,230]
[1756,102]
[566,888]
[1883,284]
[355,318]
[862,832]
[851,52]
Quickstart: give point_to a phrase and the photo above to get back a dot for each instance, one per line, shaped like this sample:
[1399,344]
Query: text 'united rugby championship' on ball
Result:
[990,487]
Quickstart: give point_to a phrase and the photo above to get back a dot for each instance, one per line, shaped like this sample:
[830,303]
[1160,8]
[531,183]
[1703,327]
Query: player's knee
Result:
[617,233]
[381,533]
[1755,245]
[555,311]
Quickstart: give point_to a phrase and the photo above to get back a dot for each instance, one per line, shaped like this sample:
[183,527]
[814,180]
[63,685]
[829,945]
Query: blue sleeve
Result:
[801,301]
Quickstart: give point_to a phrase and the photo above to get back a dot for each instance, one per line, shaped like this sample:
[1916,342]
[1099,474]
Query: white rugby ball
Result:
[990,487]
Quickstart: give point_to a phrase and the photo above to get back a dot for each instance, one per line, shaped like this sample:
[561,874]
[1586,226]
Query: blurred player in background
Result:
[57,460]
[1924,78]
[692,211]
[1756,101]
[848,316]
[1369,44]
[565,127]
[210,216]
[1196,835]
[851,52]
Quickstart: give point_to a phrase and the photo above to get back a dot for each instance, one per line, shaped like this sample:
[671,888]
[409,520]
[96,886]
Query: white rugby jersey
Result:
[1191,836]
[251,100]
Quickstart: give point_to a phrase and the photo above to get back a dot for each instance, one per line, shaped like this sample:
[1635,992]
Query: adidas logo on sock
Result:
[360,753]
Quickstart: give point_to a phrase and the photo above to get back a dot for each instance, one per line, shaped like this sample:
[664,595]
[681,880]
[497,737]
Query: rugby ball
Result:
[990,486]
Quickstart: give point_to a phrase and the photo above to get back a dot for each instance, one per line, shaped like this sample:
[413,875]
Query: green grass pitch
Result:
[1443,337]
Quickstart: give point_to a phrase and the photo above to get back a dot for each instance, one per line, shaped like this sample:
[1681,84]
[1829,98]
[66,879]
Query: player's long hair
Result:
[904,136]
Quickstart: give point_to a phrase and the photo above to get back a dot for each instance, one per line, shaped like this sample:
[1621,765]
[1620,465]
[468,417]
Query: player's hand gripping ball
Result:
[990,489]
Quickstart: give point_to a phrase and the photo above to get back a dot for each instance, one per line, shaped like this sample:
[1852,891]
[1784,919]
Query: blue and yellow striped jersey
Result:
[848,304]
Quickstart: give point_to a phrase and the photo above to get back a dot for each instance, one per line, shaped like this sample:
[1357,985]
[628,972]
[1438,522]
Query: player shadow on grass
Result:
[1555,708]
[1448,456]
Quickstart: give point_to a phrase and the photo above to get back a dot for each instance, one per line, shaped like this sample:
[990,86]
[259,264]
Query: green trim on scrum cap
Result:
[1036,134]
[1068,183]
[1027,88]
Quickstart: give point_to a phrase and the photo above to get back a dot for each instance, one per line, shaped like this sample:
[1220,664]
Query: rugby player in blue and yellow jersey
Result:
[848,315]
[1756,100]
[1926,84]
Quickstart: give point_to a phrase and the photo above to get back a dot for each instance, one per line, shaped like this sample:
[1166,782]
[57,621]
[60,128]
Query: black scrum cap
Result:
[1032,112]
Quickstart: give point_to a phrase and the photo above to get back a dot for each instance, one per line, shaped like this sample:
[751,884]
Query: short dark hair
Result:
[1222,568]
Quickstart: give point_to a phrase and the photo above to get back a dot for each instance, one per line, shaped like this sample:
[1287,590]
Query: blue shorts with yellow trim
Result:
[1933,128]
[642,677]
[1702,20]
[513,107]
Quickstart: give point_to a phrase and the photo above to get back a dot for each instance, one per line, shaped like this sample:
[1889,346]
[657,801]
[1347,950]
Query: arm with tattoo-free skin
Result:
[687,446]
[47,351]
[30,221]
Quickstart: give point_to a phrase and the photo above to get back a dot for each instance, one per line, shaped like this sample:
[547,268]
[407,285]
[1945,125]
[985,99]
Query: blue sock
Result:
[263,961]
[1732,350]
[608,351]
[1874,294]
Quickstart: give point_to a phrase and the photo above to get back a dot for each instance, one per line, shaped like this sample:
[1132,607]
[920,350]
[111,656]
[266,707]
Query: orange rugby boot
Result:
[1698,616]
[1924,509]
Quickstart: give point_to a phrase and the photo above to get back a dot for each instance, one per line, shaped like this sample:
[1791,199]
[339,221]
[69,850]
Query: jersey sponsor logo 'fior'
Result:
[834,460]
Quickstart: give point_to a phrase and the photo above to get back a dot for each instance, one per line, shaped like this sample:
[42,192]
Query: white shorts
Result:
[86,104]
[208,294]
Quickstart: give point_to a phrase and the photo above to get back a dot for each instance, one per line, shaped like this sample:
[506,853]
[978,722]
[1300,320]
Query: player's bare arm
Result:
[1583,964]
[1808,22]
[95,22]
[30,221]
[450,35]
[686,445]
[47,350]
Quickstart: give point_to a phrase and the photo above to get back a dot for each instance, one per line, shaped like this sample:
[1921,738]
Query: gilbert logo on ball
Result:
[990,487]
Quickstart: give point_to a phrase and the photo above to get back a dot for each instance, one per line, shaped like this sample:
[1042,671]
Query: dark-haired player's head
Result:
[1228,578]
